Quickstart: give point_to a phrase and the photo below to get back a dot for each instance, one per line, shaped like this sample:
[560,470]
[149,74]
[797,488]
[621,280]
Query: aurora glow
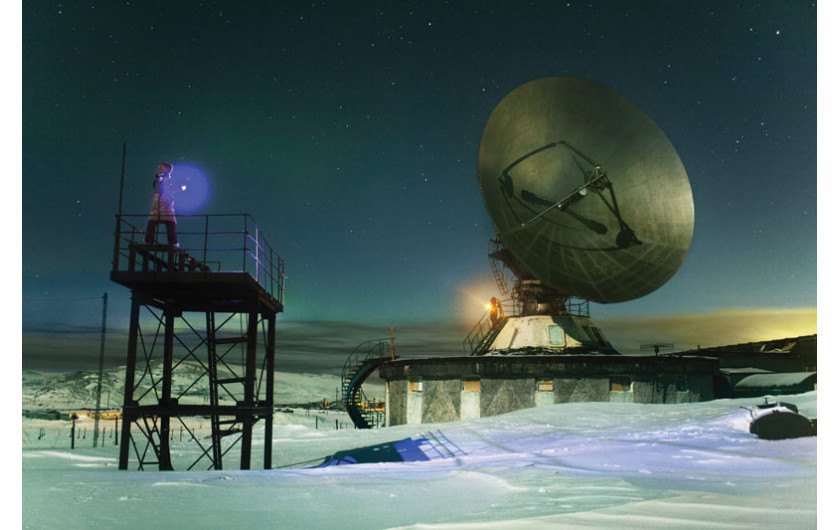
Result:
[350,133]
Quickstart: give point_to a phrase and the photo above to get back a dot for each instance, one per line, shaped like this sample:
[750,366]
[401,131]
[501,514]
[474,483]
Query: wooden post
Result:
[393,356]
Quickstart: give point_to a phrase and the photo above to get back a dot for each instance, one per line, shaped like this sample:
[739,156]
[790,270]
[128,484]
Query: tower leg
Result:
[128,398]
[248,399]
[213,375]
[165,459]
[269,390]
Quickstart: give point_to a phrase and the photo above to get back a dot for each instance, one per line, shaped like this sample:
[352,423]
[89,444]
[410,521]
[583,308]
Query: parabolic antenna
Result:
[585,190]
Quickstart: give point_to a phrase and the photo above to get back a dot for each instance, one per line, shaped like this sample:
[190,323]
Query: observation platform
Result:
[222,263]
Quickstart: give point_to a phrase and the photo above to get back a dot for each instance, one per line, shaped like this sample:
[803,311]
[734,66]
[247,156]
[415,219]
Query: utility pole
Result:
[101,370]
[73,431]
[658,379]
[393,353]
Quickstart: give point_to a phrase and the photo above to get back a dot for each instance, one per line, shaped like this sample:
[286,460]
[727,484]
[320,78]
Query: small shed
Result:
[758,385]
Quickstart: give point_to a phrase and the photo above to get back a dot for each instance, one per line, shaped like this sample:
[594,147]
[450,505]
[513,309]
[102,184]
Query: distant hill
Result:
[77,390]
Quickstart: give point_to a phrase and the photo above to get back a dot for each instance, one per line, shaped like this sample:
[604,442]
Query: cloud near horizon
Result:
[323,346]
[300,346]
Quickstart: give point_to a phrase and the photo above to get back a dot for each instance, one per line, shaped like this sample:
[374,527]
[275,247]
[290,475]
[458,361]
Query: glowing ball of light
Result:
[193,186]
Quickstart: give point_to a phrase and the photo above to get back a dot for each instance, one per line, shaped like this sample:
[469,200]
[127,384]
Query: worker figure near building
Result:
[163,205]
[494,312]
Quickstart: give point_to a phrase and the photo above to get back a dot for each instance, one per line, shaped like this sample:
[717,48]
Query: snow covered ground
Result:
[592,465]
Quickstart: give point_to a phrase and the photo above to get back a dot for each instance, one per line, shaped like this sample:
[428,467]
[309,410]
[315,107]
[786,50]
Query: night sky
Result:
[350,132]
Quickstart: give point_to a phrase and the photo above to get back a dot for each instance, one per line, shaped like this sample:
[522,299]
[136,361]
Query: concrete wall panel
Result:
[643,392]
[500,396]
[396,401]
[441,400]
[576,390]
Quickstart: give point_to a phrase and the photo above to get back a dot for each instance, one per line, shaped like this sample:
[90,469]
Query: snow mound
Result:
[568,465]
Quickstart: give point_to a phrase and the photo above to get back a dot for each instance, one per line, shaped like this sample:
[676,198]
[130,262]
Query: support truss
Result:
[199,381]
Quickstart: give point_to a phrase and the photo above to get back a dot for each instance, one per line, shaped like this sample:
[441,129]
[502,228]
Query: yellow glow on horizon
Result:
[718,328]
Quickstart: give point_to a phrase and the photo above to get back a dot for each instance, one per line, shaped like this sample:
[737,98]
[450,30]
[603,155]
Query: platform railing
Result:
[577,307]
[221,243]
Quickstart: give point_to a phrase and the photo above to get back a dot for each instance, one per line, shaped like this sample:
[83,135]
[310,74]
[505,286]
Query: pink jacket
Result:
[163,204]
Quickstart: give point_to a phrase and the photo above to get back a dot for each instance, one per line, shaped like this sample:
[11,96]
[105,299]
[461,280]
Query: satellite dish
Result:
[585,190]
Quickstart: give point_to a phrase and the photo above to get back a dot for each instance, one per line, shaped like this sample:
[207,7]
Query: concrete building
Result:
[458,388]
[539,360]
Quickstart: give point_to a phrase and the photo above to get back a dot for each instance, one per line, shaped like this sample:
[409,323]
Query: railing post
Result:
[281,271]
[274,280]
[271,274]
[206,232]
[244,242]
[257,253]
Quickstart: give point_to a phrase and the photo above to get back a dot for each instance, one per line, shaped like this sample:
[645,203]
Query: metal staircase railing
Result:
[485,330]
[359,365]
[482,335]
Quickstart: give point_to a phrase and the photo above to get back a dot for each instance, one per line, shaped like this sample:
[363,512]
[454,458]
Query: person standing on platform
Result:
[494,313]
[163,205]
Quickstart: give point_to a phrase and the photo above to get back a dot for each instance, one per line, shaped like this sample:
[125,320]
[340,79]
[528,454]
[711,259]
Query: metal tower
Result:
[200,363]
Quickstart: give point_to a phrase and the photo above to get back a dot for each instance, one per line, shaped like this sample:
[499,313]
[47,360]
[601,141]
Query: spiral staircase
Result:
[359,365]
